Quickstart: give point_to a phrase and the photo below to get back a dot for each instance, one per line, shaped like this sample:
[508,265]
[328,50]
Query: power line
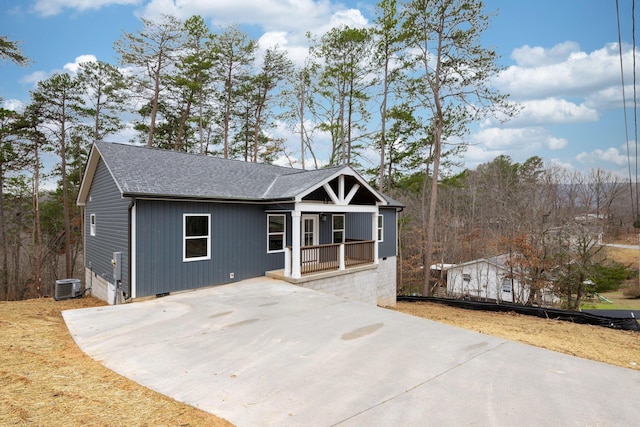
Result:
[635,97]
[624,109]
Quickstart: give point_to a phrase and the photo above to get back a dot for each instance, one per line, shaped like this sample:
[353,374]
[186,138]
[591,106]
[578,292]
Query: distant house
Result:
[491,279]
[486,279]
[159,221]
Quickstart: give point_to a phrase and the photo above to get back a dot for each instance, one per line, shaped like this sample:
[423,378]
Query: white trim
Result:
[295,244]
[184,237]
[284,233]
[341,172]
[132,255]
[332,195]
[316,228]
[330,208]
[352,193]
[333,229]
[374,237]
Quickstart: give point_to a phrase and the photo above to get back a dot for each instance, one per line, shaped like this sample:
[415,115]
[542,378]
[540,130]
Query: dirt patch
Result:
[46,380]
[615,347]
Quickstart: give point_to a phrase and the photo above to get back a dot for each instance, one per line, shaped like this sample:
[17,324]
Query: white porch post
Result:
[341,257]
[287,261]
[374,232]
[295,244]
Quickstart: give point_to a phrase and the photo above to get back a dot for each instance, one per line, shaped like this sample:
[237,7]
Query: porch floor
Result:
[279,274]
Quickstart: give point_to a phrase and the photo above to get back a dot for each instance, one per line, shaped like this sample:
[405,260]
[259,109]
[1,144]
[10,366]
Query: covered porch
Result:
[331,241]
[334,227]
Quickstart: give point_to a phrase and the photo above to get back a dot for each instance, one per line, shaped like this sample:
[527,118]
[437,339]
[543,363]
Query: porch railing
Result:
[337,256]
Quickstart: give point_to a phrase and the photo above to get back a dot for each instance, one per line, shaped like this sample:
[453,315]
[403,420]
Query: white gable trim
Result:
[89,174]
[340,199]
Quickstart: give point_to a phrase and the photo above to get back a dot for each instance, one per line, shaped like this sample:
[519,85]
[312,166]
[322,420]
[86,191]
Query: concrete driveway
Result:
[267,353]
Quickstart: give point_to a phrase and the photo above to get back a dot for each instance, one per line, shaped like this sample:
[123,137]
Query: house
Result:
[487,279]
[159,221]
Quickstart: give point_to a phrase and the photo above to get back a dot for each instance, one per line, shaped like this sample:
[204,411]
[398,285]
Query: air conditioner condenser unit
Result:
[67,288]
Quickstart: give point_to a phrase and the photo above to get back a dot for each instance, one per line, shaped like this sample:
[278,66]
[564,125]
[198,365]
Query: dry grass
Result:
[47,381]
[615,347]
[624,256]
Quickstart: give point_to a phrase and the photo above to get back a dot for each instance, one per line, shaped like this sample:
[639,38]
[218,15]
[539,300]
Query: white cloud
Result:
[295,17]
[74,66]
[579,74]
[611,155]
[553,111]
[526,140]
[531,57]
[13,105]
[34,77]
[54,7]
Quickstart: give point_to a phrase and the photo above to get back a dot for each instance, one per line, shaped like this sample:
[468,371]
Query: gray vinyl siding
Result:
[359,227]
[388,247]
[112,227]
[238,246]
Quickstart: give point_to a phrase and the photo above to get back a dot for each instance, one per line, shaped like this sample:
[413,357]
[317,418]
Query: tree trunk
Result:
[431,219]
[37,231]
[4,274]
[65,207]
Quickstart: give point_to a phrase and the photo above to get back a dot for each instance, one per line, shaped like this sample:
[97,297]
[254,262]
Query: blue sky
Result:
[561,60]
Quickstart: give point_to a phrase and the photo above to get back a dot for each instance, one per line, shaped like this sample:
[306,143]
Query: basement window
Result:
[196,242]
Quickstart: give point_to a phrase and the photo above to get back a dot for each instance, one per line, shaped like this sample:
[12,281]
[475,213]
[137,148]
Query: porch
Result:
[330,257]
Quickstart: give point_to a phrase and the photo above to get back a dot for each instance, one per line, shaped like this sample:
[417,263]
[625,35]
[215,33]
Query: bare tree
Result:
[151,51]
[451,81]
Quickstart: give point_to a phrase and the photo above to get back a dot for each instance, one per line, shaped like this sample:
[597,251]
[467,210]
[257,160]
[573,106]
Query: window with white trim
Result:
[337,226]
[506,285]
[196,233]
[92,224]
[276,228]
[380,228]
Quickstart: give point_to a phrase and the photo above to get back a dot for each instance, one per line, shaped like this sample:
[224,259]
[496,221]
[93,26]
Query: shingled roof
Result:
[140,171]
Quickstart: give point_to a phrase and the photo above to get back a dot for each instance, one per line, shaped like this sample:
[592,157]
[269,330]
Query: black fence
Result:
[626,323]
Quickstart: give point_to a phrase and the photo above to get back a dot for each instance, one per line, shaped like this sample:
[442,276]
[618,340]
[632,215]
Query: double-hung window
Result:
[196,237]
[276,227]
[337,224]
[380,228]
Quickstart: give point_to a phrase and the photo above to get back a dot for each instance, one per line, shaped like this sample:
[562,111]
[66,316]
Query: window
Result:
[466,277]
[197,237]
[380,228]
[92,224]
[276,226]
[506,285]
[337,223]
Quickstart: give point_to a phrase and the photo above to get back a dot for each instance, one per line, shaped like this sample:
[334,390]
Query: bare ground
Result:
[615,347]
[45,380]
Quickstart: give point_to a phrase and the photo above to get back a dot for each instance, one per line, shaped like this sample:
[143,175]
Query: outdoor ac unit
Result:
[67,288]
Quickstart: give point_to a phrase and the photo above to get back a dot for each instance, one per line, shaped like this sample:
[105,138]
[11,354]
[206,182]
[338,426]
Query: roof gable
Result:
[148,172]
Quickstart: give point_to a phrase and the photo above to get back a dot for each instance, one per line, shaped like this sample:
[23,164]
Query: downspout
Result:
[129,248]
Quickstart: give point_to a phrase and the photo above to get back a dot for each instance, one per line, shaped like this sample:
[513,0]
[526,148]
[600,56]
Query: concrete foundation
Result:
[101,288]
[370,284]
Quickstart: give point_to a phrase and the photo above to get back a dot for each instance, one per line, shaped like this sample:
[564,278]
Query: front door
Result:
[309,230]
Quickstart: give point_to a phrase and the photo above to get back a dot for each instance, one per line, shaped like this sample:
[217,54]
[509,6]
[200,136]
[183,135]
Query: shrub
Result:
[610,277]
